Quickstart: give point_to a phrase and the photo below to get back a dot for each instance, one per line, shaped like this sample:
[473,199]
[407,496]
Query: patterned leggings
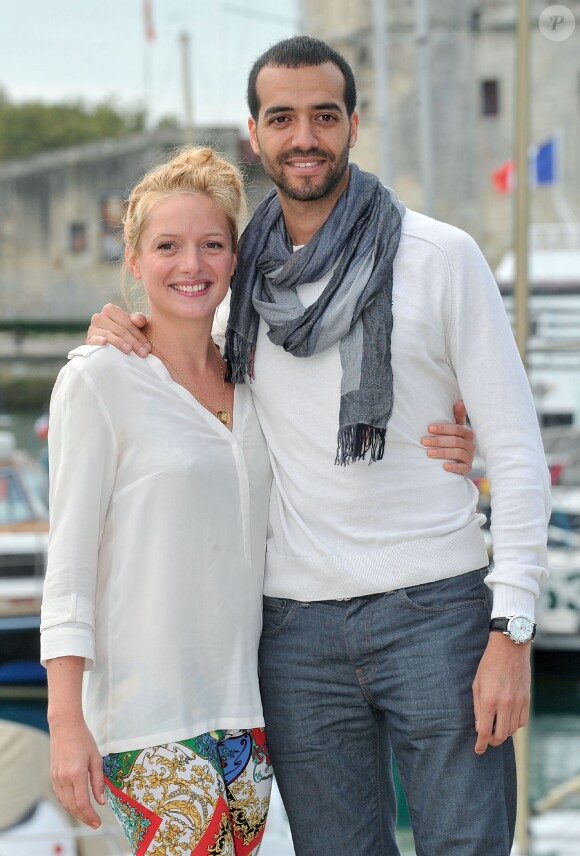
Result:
[207,796]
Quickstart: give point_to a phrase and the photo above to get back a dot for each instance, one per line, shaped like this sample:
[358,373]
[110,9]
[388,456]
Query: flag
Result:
[504,177]
[541,168]
[148,20]
[543,163]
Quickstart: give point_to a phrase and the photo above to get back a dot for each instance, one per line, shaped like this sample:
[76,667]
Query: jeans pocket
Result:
[461,592]
[278,613]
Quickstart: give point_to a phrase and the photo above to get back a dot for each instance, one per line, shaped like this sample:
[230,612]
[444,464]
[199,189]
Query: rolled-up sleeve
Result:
[83,460]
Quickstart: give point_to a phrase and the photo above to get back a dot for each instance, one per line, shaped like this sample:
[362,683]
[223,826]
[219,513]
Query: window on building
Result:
[112,211]
[363,106]
[549,419]
[489,97]
[363,56]
[78,238]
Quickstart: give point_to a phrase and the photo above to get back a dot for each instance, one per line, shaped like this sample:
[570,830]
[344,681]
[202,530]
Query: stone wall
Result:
[469,42]
[60,244]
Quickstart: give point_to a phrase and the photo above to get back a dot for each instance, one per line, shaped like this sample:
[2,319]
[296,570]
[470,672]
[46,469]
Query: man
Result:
[376,618]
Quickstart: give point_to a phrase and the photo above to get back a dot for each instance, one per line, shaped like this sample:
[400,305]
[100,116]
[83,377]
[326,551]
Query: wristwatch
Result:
[519,628]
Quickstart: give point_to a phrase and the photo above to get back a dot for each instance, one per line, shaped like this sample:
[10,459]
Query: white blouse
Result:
[156,555]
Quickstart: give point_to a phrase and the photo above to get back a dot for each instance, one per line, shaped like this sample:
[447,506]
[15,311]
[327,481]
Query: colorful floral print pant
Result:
[207,796]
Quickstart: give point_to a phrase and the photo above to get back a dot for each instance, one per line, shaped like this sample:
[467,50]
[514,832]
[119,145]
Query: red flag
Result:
[504,177]
[148,20]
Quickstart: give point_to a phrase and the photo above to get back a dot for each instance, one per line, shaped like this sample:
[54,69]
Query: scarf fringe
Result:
[239,355]
[354,441]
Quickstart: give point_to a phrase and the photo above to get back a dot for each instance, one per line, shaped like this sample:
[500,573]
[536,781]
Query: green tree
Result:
[33,126]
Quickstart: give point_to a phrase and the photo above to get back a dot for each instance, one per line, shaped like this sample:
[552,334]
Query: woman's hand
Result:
[453,442]
[113,326]
[75,763]
[74,758]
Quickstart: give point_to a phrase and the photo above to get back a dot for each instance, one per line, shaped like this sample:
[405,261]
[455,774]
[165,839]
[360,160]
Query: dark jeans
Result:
[344,682]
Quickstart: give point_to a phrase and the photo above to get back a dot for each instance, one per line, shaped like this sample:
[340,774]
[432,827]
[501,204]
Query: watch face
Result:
[520,628]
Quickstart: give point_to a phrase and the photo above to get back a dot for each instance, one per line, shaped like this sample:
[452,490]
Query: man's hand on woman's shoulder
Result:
[113,326]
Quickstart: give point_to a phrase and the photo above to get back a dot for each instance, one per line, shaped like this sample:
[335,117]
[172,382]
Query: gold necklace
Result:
[222,414]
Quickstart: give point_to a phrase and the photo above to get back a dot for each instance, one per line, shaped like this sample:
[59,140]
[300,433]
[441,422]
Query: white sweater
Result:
[156,554]
[339,532]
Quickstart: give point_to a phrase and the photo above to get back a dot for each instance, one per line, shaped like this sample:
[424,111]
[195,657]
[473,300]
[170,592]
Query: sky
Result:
[96,50]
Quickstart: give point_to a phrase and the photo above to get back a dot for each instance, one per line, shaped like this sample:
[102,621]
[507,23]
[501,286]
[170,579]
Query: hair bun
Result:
[196,157]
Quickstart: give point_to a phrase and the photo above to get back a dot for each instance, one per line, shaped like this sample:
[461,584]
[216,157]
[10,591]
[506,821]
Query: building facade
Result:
[60,222]
[450,105]
[448,112]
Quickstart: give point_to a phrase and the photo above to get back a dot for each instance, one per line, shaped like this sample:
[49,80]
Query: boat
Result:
[23,555]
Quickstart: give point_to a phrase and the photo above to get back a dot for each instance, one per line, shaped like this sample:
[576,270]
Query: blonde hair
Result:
[193,169]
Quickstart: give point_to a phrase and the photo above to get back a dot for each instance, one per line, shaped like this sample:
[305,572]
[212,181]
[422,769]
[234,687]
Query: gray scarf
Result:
[361,237]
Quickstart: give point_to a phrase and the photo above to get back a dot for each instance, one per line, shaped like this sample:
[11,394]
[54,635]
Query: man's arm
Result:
[449,441]
[493,382]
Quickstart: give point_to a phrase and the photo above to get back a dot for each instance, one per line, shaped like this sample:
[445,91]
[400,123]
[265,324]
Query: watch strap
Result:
[501,624]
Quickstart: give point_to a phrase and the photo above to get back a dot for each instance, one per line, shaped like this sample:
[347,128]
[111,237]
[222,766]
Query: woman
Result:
[159,493]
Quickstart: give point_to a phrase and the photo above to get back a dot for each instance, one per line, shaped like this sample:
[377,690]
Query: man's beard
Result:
[308,191]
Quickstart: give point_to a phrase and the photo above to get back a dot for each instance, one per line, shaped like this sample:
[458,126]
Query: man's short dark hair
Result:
[300,52]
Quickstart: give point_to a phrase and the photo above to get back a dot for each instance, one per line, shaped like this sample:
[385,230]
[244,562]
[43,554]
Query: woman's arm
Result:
[74,758]
[83,459]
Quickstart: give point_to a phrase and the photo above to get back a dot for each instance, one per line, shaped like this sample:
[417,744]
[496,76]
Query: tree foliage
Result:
[32,126]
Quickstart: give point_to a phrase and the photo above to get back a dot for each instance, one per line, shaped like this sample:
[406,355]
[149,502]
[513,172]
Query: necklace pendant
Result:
[223,416]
